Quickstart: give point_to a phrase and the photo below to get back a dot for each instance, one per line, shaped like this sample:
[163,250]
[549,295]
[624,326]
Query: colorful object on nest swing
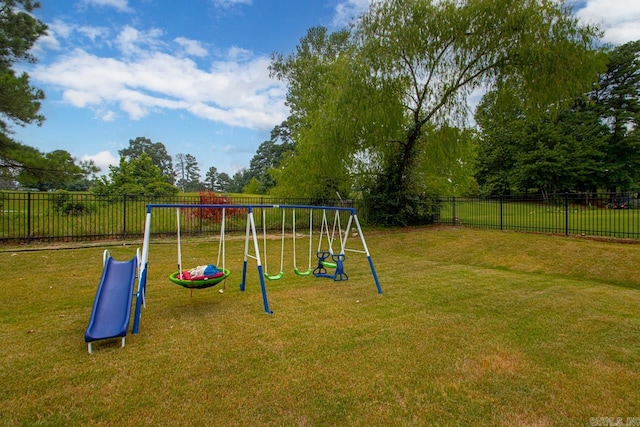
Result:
[200,277]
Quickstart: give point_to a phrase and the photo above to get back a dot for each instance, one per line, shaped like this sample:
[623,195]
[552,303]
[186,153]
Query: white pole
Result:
[310,235]
[293,229]
[222,239]
[282,245]
[142,278]
[179,247]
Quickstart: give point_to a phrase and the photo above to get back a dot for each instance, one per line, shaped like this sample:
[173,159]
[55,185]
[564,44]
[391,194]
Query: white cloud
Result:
[131,41]
[108,116]
[620,19]
[238,54]
[93,33]
[59,32]
[236,91]
[120,5]
[103,160]
[231,3]
[347,10]
[60,28]
[192,47]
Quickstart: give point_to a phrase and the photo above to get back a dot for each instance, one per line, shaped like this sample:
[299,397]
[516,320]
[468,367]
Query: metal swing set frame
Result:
[251,236]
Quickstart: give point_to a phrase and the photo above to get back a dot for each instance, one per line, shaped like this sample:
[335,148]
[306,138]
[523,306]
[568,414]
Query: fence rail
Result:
[27,217]
[613,215]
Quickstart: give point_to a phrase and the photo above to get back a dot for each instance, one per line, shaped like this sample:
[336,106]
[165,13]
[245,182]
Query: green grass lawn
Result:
[474,328]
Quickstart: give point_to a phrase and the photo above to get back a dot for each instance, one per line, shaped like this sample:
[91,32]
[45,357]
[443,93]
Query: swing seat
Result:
[302,273]
[322,258]
[199,284]
[274,277]
[328,264]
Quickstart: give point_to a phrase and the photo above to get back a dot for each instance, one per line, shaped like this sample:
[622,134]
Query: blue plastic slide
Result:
[112,306]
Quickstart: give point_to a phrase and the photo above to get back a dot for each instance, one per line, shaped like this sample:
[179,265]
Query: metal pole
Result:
[29,218]
[566,214]
[124,216]
[142,280]
[366,250]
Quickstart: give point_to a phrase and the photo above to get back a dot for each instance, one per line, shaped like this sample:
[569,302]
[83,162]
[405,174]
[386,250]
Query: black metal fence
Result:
[603,214]
[27,217]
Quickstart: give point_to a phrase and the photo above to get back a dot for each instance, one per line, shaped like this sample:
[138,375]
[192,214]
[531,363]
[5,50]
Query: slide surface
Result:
[112,306]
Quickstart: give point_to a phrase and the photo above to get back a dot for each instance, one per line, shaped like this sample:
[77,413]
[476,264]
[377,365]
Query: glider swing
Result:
[324,255]
[209,275]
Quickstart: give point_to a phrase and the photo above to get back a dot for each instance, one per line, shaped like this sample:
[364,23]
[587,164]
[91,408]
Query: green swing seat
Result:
[199,284]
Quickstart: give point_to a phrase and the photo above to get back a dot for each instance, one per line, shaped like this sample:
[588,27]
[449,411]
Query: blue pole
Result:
[263,287]
[139,296]
[375,275]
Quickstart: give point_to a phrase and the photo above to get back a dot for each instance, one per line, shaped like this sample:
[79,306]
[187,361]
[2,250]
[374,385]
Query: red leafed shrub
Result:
[212,214]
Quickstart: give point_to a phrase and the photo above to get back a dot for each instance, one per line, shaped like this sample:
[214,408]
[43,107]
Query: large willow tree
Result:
[392,90]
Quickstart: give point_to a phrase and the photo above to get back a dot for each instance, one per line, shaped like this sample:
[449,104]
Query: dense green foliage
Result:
[269,156]
[156,151]
[379,111]
[371,107]
[20,105]
[135,176]
[19,30]
[592,144]
[187,173]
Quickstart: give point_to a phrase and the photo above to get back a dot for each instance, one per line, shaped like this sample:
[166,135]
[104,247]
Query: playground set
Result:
[111,313]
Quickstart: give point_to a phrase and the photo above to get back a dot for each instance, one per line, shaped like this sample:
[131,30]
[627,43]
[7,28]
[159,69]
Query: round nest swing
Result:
[199,284]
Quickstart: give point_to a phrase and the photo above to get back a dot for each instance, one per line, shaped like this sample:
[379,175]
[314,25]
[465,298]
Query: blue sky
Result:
[191,74]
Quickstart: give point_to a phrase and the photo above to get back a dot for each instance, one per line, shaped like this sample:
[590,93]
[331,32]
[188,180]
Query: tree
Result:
[312,73]
[223,183]
[215,181]
[19,30]
[409,72]
[617,101]
[550,153]
[89,176]
[19,101]
[188,173]
[181,170]
[501,121]
[239,180]
[561,153]
[269,156]
[211,178]
[134,176]
[193,174]
[156,151]
[590,145]
[56,170]
[251,187]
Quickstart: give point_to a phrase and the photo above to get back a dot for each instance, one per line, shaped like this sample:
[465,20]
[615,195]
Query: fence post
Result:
[29,218]
[453,210]
[124,216]
[566,214]
[501,212]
